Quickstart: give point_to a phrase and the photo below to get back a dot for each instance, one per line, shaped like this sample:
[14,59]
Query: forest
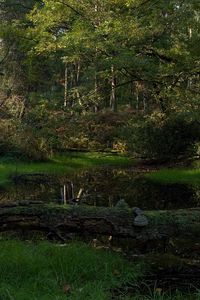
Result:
[99,149]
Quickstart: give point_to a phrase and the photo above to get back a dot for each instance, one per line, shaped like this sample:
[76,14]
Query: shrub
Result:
[161,137]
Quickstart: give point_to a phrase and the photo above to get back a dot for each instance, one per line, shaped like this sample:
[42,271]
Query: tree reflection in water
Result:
[105,187]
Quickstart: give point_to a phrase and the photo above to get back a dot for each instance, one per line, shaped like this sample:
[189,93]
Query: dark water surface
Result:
[102,187]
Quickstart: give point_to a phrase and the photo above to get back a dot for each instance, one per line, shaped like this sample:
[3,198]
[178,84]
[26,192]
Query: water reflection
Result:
[103,187]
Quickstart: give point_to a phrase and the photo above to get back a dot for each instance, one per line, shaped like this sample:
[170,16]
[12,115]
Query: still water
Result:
[102,187]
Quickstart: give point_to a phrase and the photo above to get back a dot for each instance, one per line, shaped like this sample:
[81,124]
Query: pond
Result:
[102,187]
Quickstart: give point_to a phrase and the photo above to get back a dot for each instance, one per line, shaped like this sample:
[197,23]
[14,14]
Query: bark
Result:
[95,91]
[99,220]
[78,72]
[144,102]
[66,86]
[137,96]
[113,99]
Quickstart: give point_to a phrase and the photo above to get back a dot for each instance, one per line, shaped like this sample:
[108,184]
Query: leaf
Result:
[66,288]
[116,272]
[158,291]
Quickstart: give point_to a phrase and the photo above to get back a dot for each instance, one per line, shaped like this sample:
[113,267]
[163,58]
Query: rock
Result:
[122,204]
[140,221]
[137,211]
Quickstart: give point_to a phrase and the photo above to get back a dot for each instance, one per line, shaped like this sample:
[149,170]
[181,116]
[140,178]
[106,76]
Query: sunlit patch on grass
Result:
[61,164]
[185,176]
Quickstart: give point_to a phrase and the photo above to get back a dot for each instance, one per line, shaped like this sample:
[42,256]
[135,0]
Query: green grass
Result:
[156,296]
[39,271]
[60,164]
[184,176]
[30,271]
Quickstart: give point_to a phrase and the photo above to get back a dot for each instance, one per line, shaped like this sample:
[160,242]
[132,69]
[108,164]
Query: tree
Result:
[24,72]
[153,50]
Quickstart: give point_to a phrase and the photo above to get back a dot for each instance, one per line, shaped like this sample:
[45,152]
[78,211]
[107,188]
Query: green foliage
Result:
[23,142]
[90,132]
[160,56]
[161,137]
[53,51]
[45,131]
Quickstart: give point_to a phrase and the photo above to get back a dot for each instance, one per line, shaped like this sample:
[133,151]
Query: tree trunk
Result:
[66,86]
[78,72]
[144,102]
[113,99]
[137,96]
[100,220]
[96,92]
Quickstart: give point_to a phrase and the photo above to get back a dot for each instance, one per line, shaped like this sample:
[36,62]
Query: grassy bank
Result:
[177,175]
[47,271]
[184,176]
[60,164]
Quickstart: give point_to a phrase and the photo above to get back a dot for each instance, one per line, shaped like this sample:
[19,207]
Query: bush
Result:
[31,145]
[6,131]
[21,141]
[161,137]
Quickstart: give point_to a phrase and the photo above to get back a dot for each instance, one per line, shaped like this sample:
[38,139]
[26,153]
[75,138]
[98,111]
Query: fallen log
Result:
[99,220]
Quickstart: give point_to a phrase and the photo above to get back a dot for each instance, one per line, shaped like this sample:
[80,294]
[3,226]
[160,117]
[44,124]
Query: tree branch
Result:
[72,8]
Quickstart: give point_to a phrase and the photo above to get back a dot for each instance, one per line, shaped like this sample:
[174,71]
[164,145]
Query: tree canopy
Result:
[144,47]
[91,56]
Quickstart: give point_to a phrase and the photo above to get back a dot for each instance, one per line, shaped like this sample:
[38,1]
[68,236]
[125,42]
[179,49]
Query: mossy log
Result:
[99,220]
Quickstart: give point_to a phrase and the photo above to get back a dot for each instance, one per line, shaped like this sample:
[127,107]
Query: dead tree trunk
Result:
[100,220]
